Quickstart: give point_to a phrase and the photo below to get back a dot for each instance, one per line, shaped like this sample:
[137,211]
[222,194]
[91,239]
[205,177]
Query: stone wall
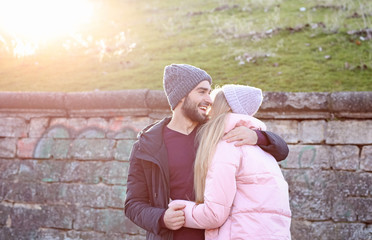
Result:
[64,161]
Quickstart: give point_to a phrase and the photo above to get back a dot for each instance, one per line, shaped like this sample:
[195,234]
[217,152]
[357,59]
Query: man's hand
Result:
[242,135]
[174,217]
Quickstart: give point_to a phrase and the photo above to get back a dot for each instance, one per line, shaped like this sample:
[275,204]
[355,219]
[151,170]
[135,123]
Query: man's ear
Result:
[180,103]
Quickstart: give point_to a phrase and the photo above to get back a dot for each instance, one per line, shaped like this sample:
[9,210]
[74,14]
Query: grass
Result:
[270,44]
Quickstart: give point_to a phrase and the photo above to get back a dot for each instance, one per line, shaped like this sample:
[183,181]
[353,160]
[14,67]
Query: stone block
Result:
[352,200]
[345,157]
[38,127]
[92,149]
[57,132]
[8,147]
[9,169]
[61,217]
[32,100]
[349,132]
[114,173]
[311,193]
[123,149]
[28,114]
[61,148]
[327,230]
[27,171]
[117,197]
[364,210]
[109,221]
[114,221]
[345,210]
[157,114]
[83,172]
[109,112]
[18,234]
[156,99]
[99,123]
[291,101]
[28,192]
[88,235]
[330,230]
[43,148]
[26,147]
[77,128]
[353,184]
[295,115]
[106,99]
[27,217]
[53,234]
[5,213]
[36,192]
[126,127]
[13,127]
[120,236]
[351,101]
[312,131]
[2,189]
[300,229]
[124,133]
[93,172]
[308,156]
[287,129]
[85,218]
[72,124]
[366,158]
[91,132]
[42,170]
[86,195]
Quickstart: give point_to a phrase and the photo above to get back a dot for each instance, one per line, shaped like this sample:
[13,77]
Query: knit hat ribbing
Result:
[180,79]
[243,99]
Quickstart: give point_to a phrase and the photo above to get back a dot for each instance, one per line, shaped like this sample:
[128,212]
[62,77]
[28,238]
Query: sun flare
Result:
[30,23]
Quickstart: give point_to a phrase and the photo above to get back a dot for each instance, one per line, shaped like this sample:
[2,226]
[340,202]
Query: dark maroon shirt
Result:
[181,156]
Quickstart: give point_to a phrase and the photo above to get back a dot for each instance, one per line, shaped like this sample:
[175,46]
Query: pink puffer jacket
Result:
[246,195]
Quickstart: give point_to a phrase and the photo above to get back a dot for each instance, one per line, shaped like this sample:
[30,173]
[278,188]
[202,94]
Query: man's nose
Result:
[208,99]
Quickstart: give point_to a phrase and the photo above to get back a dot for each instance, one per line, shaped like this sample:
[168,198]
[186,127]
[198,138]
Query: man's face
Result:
[196,104]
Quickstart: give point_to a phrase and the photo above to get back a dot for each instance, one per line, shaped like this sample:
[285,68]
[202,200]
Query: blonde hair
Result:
[208,137]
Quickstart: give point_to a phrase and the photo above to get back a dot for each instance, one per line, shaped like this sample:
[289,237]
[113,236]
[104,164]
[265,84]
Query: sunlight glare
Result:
[22,49]
[43,18]
[33,22]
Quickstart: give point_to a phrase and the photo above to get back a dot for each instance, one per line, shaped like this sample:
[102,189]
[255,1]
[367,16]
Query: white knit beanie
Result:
[243,99]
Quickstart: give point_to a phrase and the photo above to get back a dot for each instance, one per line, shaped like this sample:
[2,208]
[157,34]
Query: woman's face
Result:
[220,105]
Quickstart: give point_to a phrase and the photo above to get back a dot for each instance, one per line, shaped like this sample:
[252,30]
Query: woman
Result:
[240,191]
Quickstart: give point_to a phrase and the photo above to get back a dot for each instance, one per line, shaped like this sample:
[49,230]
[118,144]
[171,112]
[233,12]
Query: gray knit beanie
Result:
[180,79]
[243,99]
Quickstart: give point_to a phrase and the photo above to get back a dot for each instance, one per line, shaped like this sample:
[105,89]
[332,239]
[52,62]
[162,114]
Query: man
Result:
[161,161]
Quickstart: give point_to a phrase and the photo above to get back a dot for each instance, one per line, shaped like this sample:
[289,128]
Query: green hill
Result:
[282,45]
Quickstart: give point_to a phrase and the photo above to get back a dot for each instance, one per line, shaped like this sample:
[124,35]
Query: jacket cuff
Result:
[161,221]
[261,138]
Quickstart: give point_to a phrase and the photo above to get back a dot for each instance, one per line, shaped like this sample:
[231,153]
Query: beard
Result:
[190,109]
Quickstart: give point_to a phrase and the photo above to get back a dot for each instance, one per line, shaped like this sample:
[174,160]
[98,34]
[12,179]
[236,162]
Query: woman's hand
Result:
[174,217]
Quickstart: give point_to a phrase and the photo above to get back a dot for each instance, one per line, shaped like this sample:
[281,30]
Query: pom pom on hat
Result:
[243,99]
